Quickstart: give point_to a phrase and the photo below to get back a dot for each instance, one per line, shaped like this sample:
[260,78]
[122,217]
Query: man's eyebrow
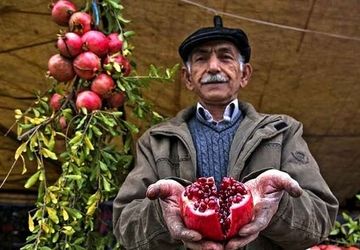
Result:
[201,50]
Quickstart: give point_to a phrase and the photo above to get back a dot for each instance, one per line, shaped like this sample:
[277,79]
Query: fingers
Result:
[178,230]
[203,245]
[164,188]
[281,181]
[264,211]
[237,243]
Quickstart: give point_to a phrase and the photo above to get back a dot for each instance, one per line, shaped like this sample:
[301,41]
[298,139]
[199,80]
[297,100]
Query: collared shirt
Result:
[231,111]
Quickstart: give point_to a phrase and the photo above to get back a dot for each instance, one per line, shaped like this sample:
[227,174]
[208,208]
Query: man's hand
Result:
[267,190]
[168,192]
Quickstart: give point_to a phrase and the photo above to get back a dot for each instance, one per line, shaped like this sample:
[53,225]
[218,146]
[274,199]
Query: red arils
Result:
[80,23]
[69,44]
[62,11]
[61,68]
[102,85]
[95,41]
[89,100]
[86,65]
[217,215]
[115,44]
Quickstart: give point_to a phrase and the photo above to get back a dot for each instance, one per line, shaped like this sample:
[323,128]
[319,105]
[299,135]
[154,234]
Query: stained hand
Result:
[267,190]
[168,192]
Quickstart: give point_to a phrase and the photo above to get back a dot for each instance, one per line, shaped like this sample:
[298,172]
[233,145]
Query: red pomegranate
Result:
[217,215]
[96,42]
[120,60]
[89,100]
[86,65]
[62,123]
[102,85]
[80,22]
[62,11]
[56,101]
[69,44]
[61,68]
[115,44]
[116,100]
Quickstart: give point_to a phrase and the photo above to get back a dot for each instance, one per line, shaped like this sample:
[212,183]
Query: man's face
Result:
[215,74]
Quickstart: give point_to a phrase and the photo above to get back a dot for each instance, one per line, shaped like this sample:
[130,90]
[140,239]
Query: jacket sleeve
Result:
[138,221]
[307,220]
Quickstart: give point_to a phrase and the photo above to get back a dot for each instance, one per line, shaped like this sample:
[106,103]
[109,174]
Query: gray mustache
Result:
[214,78]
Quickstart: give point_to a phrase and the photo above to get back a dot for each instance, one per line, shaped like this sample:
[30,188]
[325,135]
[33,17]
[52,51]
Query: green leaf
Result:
[129,34]
[45,248]
[122,19]
[52,215]
[96,131]
[73,177]
[31,223]
[32,180]
[73,212]
[88,143]
[20,150]
[48,154]
[103,166]
[106,184]
[68,230]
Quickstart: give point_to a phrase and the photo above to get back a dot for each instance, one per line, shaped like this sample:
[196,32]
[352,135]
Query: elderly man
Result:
[222,136]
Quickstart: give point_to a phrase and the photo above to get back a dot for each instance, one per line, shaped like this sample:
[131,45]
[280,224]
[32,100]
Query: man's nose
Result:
[213,64]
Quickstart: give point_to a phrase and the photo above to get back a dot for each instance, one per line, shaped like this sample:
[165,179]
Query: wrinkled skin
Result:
[267,190]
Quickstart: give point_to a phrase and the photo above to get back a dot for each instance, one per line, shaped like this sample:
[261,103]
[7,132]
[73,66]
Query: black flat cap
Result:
[218,32]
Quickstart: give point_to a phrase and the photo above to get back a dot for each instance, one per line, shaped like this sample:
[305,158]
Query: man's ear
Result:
[246,74]
[186,78]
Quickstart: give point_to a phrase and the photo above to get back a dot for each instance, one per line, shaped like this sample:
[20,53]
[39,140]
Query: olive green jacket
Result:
[261,142]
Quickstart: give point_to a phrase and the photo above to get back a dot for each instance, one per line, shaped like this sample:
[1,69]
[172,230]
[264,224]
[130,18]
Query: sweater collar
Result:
[231,111]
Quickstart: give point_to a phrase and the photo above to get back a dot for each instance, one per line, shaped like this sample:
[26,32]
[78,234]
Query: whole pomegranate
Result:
[120,60]
[86,65]
[56,101]
[115,44]
[61,12]
[116,100]
[96,42]
[80,22]
[89,100]
[217,215]
[63,123]
[61,68]
[70,44]
[102,85]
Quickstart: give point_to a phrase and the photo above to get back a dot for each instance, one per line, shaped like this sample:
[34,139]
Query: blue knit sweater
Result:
[212,143]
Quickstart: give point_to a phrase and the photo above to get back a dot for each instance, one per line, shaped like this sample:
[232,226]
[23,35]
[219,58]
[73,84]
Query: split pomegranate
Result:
[61,68]
[120,60]
[70,44]
[116,100]
[61,12]
[80,22]
[115,44]
[86,65]
[56,101]
[216,215]
[89,100]
[102,85]
[96,41]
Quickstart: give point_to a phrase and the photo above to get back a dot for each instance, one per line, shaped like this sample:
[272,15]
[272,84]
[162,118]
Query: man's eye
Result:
[227,57]
[199,59]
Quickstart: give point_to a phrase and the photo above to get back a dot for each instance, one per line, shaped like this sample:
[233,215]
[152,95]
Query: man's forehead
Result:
[216,46]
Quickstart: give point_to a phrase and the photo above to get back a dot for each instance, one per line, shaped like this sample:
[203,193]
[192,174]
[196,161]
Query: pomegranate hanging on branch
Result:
[75,121]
